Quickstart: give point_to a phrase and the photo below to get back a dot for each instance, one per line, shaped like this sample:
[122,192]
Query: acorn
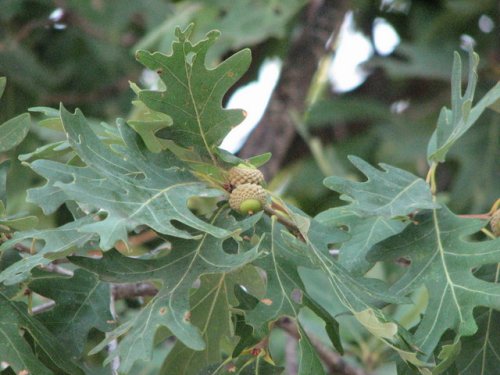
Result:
[243,174]
[495,223]
[248,198]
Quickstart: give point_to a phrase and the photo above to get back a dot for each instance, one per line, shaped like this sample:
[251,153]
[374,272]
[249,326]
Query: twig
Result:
[51,267]
[121,291]
[113,344]
[283,220]
[292,365]
[334,362]
[43,307]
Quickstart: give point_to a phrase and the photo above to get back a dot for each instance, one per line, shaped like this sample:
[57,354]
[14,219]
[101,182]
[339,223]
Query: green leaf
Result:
[58,242]
[133,186]
[365,232]
[188,260]
[147,123]
[211,311]
[16,351]
[19,222]
[442,260]
[283,296]
[82,303]
[479,354]
[390,193]
[348,293]
[193,98]
[13,131]
[452,124]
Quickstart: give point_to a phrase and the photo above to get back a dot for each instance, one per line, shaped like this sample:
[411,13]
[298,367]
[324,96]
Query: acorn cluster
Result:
[247,195]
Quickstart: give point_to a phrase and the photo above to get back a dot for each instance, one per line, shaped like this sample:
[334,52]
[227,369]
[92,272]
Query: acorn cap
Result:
[245,175]
[248,198]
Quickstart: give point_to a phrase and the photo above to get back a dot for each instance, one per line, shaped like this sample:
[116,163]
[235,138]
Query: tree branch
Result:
[276,130]
[119,291]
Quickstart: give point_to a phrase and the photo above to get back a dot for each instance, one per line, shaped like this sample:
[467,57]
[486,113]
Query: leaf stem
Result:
[431,177]
[281,219]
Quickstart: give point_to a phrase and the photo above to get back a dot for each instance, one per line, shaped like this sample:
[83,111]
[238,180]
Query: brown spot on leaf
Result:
[255,352]
[163,311]
[230,74]
[187,316]
[159,71]
[267,301]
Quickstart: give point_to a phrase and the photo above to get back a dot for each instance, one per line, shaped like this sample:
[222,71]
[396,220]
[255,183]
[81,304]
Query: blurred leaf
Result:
[188,260]
[419,60]
[13,131]
[442,261]
[15,350]
[134,187]
[194,94]
[346,110]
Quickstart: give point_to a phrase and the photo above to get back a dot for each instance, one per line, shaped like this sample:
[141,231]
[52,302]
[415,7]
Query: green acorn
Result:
[243,174]
[248,198]
[495,223]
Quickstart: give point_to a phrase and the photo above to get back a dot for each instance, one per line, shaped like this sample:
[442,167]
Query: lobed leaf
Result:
[13,131]
[442,260]
[193,96]
[188,260]
[390,193]
[452,124]
[58,243]
[131,185]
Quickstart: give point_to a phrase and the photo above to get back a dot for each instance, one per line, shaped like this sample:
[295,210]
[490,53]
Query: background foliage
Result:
[357,259]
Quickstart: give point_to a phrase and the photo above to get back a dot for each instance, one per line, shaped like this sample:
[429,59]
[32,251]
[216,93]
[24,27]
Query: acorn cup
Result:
[248,198]
[243,174]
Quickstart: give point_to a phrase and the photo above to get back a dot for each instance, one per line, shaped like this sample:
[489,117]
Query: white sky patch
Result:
[486,24]
[385,37]
[252,98]
[345,73]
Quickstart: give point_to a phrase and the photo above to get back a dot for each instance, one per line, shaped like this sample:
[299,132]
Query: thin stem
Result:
[431,177]
[281,219]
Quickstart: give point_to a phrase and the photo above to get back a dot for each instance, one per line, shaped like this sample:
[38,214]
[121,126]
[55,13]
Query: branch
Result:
[333,361]
[119,291]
